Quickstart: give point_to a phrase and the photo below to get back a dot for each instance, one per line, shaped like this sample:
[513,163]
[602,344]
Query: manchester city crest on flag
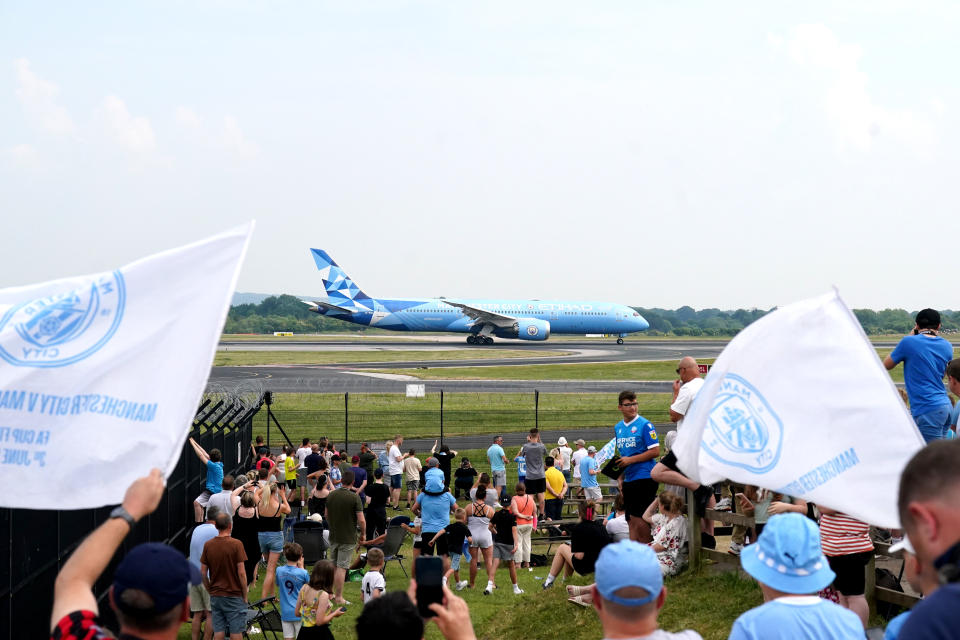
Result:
[742,428]
[62,329]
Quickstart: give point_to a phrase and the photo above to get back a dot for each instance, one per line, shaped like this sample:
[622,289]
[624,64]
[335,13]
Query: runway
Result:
[352,377]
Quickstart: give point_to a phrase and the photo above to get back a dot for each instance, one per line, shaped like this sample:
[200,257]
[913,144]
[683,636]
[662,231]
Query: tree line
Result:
[288,313]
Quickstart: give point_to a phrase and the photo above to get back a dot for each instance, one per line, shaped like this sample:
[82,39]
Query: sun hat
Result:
[315,517]
[787,556]
[158,570]
[903,545]
[562,441]
[591,449]
[628,564]
[580,442]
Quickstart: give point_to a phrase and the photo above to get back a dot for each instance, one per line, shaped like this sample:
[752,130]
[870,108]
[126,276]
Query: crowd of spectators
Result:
[797,552]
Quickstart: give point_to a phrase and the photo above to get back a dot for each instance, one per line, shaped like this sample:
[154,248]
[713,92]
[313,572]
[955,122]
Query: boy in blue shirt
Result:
[290,578]
[791,569]
[638,447]
[925,355]
[214,482]
[521,467]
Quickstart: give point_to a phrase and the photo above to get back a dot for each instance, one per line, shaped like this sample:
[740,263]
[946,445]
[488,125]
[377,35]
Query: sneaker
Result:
[489,589]
[724,505]
[517,590]
[735,549]
[547,585]
[462,585]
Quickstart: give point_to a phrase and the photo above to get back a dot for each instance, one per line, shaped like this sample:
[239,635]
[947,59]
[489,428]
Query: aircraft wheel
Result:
[487,340]
[471,340]
[619,340]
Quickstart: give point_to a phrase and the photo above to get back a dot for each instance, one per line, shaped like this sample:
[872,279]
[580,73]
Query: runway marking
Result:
[384,376]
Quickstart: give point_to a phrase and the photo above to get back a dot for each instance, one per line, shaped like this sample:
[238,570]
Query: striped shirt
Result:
[842,535]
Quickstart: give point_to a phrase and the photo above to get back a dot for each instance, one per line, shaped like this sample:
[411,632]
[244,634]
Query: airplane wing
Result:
[326,306]
[482,315]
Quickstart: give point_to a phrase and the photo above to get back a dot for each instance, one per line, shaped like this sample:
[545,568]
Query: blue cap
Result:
[787,556]
[628,564]
[158,570]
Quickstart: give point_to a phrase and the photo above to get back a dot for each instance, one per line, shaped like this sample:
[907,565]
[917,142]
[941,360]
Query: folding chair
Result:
[396,536]
[264,615]
[309,535]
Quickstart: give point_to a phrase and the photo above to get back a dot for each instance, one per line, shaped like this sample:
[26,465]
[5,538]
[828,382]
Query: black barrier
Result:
[40,541]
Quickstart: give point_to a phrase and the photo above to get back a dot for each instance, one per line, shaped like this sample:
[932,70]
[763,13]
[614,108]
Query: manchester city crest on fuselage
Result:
[742,429]
[62,329]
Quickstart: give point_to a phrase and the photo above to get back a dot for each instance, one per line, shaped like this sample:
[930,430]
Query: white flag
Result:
[799,403]
[101,375]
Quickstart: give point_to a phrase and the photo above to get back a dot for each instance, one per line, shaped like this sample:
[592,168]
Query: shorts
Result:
[270,541]
[229,614]
[553,509]
[413,485]
[396,480]
[670,462]
[851,572]
[455,561]
[290,629]
[535,486]
[566,474]
[203,498]
[341,554]
[199,598]
[439,547]
[292,484]
[933,424]
[637,496]
[503,552]
[499,478]
[302,477]
[482,538]
[592,493]
[584,566]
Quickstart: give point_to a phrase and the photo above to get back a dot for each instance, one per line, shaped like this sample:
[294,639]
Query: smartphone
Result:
[429,571]
[343,608]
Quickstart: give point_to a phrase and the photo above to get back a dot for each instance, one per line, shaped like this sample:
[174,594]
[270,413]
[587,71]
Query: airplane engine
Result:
[532,329]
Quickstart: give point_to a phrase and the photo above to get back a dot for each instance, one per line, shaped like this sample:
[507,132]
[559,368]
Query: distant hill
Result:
[257,298]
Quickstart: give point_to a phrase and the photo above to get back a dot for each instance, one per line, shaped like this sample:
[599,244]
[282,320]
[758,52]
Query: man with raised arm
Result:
[150,586]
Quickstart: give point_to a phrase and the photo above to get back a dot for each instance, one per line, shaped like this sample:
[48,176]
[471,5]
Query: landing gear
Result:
[487,340]
[479,339]
[619,340]
[471,339]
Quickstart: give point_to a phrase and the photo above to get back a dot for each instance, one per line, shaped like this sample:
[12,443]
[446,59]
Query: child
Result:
[669,529]
[373,584]
[456,533]
[336,476]
[504,525]
[521,467]
[313,604]
[291,577]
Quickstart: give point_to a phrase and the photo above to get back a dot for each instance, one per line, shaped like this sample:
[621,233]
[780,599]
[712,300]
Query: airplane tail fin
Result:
[341,290]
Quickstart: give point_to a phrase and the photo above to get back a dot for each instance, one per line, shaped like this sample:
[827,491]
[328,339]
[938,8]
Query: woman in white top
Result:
[617,525]
[478,521]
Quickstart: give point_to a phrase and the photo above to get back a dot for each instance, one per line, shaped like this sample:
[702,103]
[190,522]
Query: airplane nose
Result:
[641,323]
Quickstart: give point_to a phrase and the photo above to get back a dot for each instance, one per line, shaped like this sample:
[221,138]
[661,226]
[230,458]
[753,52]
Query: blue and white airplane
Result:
[482,319]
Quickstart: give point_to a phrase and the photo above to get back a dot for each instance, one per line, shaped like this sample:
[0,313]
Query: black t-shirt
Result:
[312,462]
[590,538]
[504,521]
[378,494]
[456,533]
[444,458]
[465,475]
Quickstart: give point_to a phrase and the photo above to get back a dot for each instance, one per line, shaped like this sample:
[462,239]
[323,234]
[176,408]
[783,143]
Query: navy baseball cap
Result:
[158,570]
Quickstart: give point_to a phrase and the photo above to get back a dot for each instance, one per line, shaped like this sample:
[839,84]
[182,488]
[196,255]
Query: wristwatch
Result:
[122,513]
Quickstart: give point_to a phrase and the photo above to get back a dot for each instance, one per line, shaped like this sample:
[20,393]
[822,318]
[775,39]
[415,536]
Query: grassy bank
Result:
[237,357]
[378,416]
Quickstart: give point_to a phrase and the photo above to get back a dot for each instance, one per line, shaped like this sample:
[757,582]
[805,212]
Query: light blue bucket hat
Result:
[787,556]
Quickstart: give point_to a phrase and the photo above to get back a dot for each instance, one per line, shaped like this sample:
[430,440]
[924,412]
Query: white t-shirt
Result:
[619,528]
[565,453]
[372,580]
[396,467]
[222,502]
[575,459]
[685,396]
[302,453]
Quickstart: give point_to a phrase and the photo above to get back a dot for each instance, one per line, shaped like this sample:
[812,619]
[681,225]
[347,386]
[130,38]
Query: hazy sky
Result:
[651,153]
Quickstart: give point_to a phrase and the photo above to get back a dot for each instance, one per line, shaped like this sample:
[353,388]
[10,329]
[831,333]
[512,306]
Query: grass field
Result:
[376,417]
[237,357]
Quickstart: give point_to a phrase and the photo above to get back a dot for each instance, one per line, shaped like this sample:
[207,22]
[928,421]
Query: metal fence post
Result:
[441,417]
[536,408]
[346,420]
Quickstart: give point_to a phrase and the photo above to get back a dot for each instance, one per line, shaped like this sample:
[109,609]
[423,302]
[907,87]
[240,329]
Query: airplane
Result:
[482,319]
